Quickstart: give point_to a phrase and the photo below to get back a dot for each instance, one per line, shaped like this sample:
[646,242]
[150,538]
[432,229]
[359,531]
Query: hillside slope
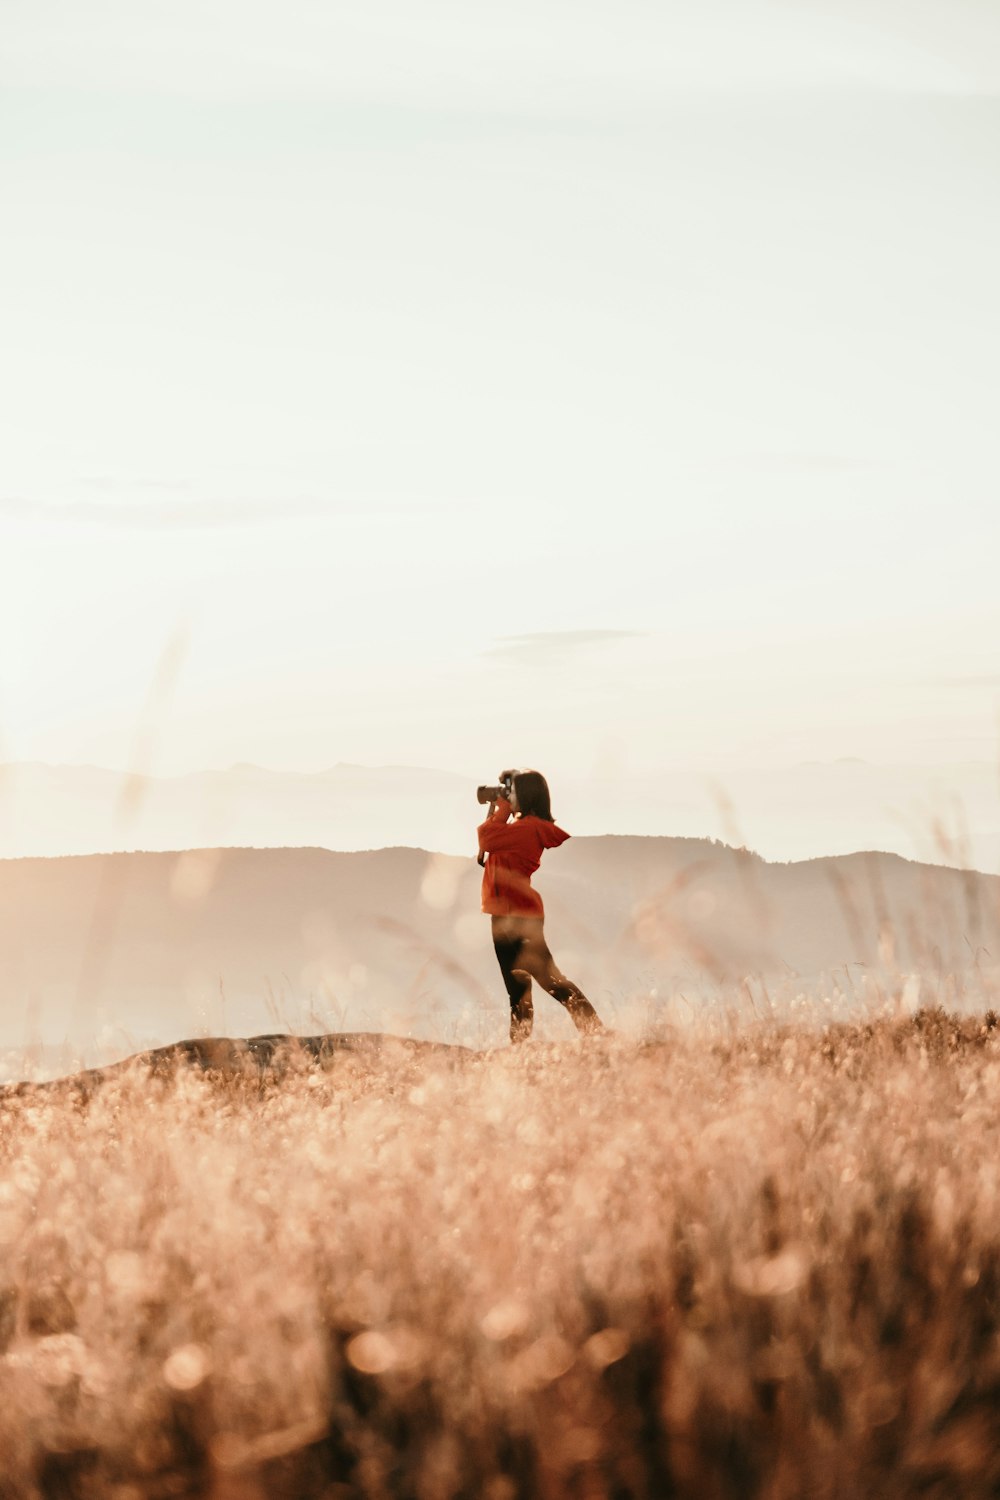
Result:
[167,944]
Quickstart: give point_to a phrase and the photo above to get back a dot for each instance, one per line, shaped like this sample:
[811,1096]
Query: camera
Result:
[491,793]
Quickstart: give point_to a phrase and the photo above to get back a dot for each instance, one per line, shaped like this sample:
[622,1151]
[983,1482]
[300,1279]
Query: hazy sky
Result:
[579,384]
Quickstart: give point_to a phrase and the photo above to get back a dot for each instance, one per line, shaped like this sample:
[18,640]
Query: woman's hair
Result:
[533,795]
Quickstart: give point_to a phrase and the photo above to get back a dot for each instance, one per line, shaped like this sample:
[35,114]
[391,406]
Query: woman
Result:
[512,852]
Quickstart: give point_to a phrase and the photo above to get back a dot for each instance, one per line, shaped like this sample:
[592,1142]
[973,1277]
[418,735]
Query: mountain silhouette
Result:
[156,945]
[796,812]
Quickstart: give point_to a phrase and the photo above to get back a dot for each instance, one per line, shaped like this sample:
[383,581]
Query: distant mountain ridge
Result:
[948,815]
[51,810]
[161,944]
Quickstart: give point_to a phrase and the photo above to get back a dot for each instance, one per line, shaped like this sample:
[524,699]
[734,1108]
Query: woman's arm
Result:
[496,833]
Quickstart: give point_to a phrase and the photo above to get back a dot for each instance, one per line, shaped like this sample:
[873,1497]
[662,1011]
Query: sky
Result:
[603,387]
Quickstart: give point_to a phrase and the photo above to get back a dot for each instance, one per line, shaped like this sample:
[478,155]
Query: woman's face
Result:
[512,799]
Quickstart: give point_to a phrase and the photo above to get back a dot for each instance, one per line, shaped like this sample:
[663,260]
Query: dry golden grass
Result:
[764,1263]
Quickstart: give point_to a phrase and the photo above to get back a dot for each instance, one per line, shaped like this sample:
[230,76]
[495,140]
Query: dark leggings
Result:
[523,955]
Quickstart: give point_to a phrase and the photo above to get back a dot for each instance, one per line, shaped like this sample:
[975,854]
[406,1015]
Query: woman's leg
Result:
[507,944]
[536,962]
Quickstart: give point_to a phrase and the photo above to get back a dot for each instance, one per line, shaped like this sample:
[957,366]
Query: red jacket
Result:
[514,852]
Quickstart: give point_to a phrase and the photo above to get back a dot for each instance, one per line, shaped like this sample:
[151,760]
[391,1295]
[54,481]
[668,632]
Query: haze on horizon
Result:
[609,388]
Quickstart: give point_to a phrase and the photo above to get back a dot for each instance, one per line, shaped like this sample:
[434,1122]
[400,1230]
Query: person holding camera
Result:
[518,829]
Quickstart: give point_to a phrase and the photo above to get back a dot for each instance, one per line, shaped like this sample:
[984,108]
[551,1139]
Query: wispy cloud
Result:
[829,463]
[165,514]
[550,643]
[114,484]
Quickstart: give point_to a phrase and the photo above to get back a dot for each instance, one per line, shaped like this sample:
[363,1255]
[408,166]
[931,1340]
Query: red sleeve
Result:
[496,833]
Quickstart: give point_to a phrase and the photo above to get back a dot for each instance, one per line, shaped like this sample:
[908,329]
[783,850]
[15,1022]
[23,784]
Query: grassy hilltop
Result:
[757,1263]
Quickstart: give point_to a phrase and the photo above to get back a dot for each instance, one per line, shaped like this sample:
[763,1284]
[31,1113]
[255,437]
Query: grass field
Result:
[757,1262]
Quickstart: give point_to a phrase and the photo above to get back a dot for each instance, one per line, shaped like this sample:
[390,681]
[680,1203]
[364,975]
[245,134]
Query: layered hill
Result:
[946,814]
[156,945]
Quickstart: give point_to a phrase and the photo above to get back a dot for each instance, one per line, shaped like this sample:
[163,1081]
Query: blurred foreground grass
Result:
[757,1264]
